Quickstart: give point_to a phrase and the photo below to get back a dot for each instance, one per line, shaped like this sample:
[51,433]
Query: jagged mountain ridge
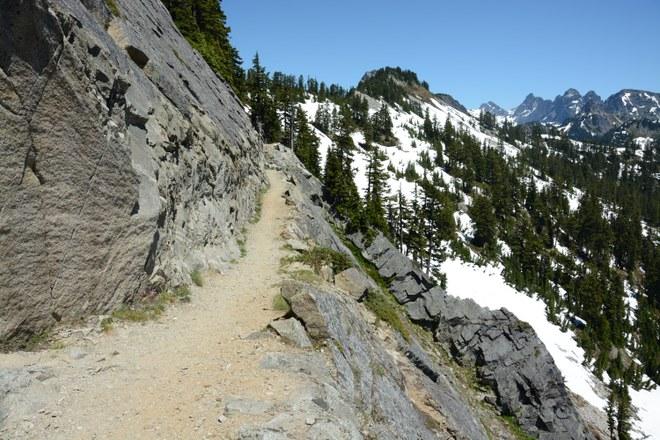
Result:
[588,116]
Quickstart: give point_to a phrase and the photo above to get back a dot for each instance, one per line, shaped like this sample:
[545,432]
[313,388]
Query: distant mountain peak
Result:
[572,93]
[494,109]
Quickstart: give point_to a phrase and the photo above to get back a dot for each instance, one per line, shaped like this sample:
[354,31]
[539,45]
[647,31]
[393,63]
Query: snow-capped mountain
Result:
[589,116]
[494,109]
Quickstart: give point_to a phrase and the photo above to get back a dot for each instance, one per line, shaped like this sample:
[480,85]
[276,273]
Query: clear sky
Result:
[476,50]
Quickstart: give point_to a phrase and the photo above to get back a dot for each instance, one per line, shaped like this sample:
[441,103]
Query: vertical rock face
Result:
[125,160]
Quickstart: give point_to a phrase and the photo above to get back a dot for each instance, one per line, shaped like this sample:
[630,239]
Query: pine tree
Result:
[485,223]
[623,413]
[323,118]
[263,112]
[381,124]
[306,144]
[338,180]
[610,412]
[204,25]
[592,230]
[376,189]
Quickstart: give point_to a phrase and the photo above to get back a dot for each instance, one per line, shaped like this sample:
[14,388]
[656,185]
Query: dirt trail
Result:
[171,379]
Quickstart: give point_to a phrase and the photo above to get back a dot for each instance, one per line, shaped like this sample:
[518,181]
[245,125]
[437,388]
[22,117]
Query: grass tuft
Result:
[197,278]
[153,308]
[280,304]
[259,205]
[107,324]
[515,428]
[386,310]
[36,341]
[113,7]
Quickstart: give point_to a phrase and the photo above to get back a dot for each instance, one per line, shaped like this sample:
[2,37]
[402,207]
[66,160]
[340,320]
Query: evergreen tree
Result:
[376,189]
[627,229]
[263,111]
[339,187]
[204,25]
[381,125]
[610,412]
[306,144]
[592,232]
[485,223]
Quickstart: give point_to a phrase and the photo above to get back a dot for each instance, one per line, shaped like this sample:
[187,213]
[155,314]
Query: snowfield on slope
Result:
[486,286]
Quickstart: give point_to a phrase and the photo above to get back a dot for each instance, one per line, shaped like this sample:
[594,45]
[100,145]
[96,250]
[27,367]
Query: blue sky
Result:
[476,50]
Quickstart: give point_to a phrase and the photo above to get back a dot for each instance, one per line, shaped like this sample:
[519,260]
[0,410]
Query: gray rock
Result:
[129,156]
[355,283]
[506,352]
[298,245]
[303,305]
[292,331]
[237,405]
[256,433]
[366,372]
[311,364]
[327,274]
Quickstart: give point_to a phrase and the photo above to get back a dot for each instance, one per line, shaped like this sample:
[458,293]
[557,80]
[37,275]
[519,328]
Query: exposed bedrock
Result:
[126,160]
[506,352]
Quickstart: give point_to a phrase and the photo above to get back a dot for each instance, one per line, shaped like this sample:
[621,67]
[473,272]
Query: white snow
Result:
[574,199]
[648,406]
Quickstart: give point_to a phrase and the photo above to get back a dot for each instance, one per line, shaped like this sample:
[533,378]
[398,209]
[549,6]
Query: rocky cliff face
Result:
[127,163]
[505,352]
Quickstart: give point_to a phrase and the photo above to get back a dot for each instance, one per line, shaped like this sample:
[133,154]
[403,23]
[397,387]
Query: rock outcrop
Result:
[126,161]
[507,354]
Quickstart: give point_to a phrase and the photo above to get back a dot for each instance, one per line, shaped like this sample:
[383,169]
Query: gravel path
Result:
[172,378]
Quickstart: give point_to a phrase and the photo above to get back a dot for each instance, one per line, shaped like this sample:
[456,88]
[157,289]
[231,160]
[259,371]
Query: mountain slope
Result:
[456,170]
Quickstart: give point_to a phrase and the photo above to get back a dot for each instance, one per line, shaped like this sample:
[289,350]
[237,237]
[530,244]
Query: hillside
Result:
[191,249]
[438,160]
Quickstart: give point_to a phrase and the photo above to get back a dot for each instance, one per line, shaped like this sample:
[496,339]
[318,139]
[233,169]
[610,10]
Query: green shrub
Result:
[152,308]
[318,257]
[515,428]
[280,304]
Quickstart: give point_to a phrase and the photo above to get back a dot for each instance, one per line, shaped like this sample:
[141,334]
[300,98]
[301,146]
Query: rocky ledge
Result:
[506,352]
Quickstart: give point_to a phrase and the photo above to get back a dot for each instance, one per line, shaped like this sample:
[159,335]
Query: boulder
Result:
[355,283]
[292,331]
[302,301]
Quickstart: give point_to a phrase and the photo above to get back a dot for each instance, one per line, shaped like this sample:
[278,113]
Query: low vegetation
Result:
[197,279]
[112,7]
[149,308]
[259,205]
[515,429]
[385,309]
[280,304]
[318,257]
